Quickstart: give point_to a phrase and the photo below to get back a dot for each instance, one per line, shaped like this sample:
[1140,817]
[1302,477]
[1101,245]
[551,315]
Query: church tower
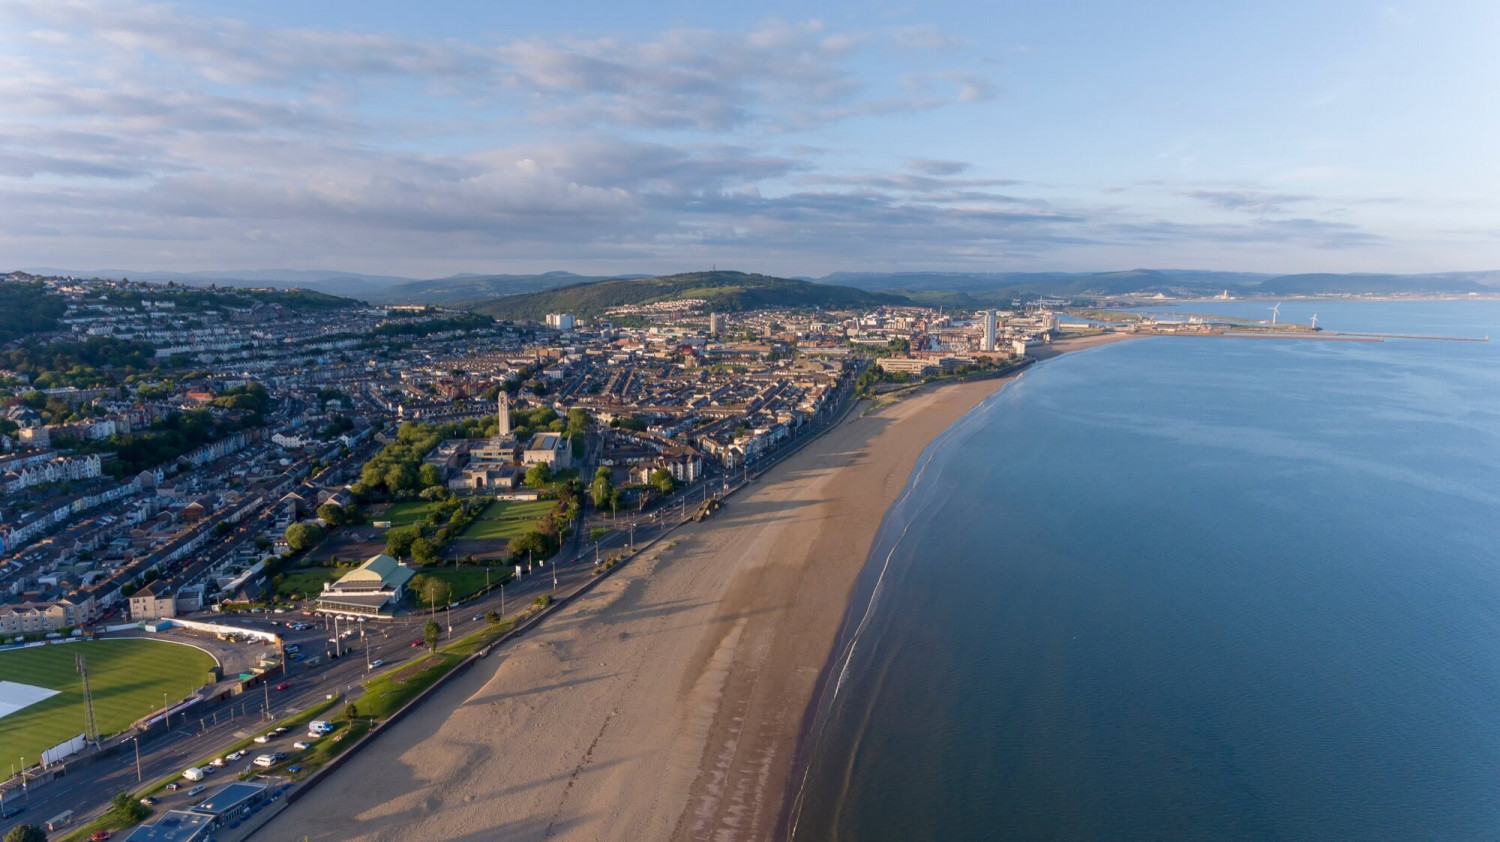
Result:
[504,429]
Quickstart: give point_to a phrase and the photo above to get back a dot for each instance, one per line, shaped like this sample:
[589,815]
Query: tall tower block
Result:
[504,414]
[988,344]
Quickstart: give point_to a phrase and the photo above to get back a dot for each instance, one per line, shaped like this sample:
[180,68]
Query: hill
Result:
[725,292]
[468,287]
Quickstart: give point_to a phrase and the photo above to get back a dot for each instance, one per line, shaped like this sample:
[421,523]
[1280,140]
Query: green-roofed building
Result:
[373,589]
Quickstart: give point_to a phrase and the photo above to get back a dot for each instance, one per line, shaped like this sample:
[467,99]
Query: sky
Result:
[427,139]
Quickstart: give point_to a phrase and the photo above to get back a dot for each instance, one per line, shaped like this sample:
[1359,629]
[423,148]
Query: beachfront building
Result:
[374,589]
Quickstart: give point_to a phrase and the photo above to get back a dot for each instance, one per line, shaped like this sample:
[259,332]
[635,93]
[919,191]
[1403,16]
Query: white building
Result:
[561,321]
[988,344]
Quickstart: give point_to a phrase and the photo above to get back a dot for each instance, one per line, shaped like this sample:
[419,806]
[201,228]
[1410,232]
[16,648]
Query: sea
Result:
[1188,589]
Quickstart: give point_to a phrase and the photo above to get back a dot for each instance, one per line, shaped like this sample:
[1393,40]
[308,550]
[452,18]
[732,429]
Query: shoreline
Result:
[670,701]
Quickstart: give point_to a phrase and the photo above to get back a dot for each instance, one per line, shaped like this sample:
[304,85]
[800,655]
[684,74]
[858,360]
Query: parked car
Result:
[217,761]
[294,768]
[278,731]
[148,801]
[195,790]
[263,738]
[99,836]
[302,745]
[234,755]
[172,787]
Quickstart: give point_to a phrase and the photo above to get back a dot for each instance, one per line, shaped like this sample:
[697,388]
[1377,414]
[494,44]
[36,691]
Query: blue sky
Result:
[427,139]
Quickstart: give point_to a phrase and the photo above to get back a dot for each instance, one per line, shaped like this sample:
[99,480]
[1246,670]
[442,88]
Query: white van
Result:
[193,774]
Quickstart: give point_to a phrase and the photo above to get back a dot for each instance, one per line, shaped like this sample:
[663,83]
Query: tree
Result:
[331,514]
[26,833]
[434,590]
[398,541]
[491,617]
[302,536]
[601,488]
[124,810]
[350,712]
[429,475]
[663,480]
[430,634]
[423,551]
[538,475]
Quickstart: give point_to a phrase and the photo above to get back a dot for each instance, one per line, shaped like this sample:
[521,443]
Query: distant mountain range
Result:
[1186,282]
[724,291]
[956,289]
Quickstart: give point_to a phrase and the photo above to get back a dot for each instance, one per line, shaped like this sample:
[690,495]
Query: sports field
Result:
[506,519]
[127,677]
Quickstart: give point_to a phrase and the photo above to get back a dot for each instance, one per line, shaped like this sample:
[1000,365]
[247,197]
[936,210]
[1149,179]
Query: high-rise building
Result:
[504,415]
[988,343]
[715,323]
[561,321]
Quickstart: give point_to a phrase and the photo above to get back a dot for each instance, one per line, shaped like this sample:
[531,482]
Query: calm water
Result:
[1190,589]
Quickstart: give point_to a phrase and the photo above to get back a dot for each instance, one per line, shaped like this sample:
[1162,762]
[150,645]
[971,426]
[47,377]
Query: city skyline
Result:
[789,140]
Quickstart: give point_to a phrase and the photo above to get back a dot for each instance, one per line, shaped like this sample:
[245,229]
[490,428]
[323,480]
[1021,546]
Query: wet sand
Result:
[666,703]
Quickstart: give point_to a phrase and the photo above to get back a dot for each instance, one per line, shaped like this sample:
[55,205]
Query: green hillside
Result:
[724,292]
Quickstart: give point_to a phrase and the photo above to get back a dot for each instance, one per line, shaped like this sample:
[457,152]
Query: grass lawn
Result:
[492,530]
[506,519]
[127,678]
[517,509]
[308,581]
[406,514]
[385,694]
[467,581]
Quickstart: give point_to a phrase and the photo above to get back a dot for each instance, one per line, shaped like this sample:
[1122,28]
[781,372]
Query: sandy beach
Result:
[666,703]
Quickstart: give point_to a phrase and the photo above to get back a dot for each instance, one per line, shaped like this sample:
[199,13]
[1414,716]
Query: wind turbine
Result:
[1275,312]
[1314,321]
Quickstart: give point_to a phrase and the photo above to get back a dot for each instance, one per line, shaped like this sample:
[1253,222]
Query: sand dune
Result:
[666,703]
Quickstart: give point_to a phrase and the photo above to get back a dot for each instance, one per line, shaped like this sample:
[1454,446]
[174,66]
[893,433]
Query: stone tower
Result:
[504,414]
